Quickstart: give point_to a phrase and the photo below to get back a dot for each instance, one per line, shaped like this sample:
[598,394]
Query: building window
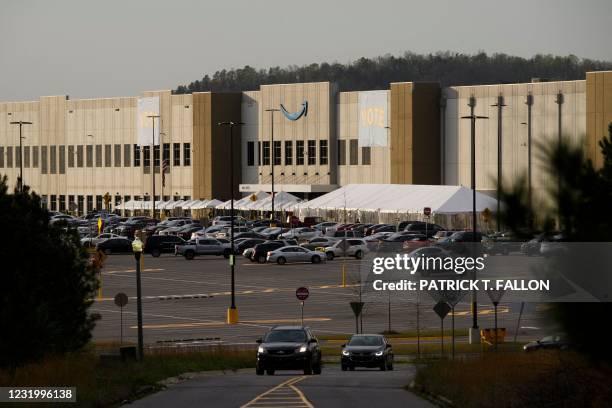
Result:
[353,152]
[259,153]
[62,199]
[117,155]
[341,152]
[107,155]
[176,154]
[53,203]
[89,204]
[80,201]
[71,202]
[99,202]
[62,159]
[126,155]
[9,156]
[44,162]
[26,156]
[312,152]
[35,151]
[89,155]
[136,155]
[288,153]
[17,156]
[266,153]
[71,155]
[366,152]
[53,159]
[186,154]
[156,156]
[117,200]
[1,156]
[146,150]
[322,152]
[250,153]
[98,155]
[277,153]
[79,156]
[166,153]
[126,199]
[299,150]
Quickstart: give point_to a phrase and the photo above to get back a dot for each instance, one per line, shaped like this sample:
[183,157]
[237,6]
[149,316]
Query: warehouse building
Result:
[309,137]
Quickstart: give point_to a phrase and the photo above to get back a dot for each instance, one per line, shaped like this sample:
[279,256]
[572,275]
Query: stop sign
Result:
[302,293]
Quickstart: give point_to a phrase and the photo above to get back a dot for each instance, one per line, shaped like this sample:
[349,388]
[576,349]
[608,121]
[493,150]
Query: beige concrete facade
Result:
[78,150]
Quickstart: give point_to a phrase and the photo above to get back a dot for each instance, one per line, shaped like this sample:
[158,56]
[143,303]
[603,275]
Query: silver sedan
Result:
[295,254]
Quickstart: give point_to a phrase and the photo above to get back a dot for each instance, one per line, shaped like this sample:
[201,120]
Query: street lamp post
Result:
[473,117]
[232,312]
[273,155]
[153,159]
[21,123]
[137,249]
[500,104]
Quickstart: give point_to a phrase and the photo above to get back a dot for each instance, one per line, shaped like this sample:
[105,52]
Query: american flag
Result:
[165,168]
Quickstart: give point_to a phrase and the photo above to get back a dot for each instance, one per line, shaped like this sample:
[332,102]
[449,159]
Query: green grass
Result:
[517,380]
[397,335]
[104,383]
[433,348]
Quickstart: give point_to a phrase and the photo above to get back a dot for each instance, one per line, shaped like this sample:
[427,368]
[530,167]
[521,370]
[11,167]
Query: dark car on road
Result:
[288,348]
[367,350]
[159,244]
[118,245]
[260,251]
[556,342]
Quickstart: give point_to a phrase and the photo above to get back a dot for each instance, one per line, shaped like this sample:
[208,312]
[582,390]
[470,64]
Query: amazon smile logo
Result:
[295,115]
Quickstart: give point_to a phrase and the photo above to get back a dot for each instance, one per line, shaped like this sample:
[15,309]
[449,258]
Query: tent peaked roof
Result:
[410,198]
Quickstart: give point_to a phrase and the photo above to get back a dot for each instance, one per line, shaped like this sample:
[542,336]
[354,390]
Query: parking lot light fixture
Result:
[137,249]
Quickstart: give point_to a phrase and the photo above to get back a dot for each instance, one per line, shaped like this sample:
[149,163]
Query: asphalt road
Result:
[186,301]
[333,388]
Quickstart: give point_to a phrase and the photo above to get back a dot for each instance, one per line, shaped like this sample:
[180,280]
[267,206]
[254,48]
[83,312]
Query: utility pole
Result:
[20,123]
[500,104]
[153,159]
[232,312]
[529,103]
[272,155]
[473,117]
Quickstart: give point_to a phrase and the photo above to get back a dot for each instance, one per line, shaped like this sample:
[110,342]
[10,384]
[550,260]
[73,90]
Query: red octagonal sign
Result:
[302,293]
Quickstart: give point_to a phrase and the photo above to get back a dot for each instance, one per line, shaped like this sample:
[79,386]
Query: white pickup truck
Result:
[202,246]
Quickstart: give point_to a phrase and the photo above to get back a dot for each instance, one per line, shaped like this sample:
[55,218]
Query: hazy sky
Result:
[103,48]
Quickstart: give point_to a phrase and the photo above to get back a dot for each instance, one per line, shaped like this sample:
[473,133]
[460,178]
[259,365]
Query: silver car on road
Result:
[295,253]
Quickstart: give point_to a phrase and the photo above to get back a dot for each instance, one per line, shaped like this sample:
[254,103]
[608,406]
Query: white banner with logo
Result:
[373,118]
[148,106]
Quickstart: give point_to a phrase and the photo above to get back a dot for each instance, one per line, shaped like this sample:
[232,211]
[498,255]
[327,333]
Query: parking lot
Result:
[186,301]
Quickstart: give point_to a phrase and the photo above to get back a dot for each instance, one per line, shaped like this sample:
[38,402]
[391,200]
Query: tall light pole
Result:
[473,117]
[500,104]
[273,155]
[529,103]
[21,123]
[153,158]
[232,312]
[137,249]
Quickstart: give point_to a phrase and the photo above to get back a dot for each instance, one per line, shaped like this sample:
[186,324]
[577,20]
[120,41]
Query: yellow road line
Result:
[269,399]
[221,323]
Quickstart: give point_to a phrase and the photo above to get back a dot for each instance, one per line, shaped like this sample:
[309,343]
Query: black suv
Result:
[158,244]
[288,348]
[367,350]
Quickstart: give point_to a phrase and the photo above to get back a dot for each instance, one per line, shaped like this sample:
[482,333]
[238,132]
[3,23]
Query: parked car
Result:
[421,227]
[260,251]
[247,234]
[557,342]
[434,252]
[553,246]
[226,220]
[367,350]
[319,242]
[342,234]
[416,241]
[158,244]
[202,246]
[462,242]
[302,233]
[373,240]
[226,231]
[294,254]
[371,229]
[502,243]
[288,348]
[247,243]
[311,221]
[117,245]
[532,247]
[186,230]
[322,226]
[94,241]
[273,233]
[349,247]
[263,223]
[442,234]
